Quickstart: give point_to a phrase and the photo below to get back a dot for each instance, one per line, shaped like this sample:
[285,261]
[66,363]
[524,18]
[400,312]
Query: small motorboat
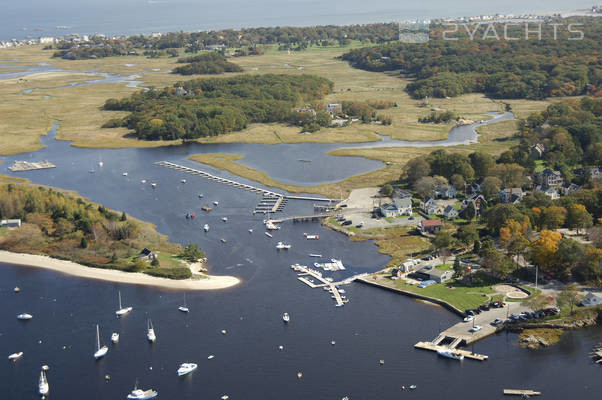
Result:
[311,237]
[115,337]
[449,353]
[282,246]
[299,374]
[139,394]
[225,219]
[315,255]
[125,174]
[43,386]
[223,240]
[206,208]
[225,397]
[150,334]
[200,195]
[186,368]
[412,387]
[332,342]
[216,203]
[268,234]
[224,331]
[286,318]
[211,356]
[100,351]
[153,185]
[24,317]
[16,289]
[206,228]
[15,356]
[183,181]
[143,181]
[250,230]
[91,171]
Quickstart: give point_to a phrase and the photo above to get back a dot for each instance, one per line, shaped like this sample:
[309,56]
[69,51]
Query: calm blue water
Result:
[35,18]
[375,325]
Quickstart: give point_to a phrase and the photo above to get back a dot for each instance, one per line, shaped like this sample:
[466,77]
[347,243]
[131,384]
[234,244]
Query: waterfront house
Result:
[429,206]
[430,225]
[446,192]
[397,207]
[511,195]
[450,212]
[10,223]
[147,255]
[592,299]
[396,273]
[432,273]
[402,194]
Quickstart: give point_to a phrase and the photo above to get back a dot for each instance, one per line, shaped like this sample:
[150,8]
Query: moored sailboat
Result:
[184,308]
[150,334]
[122,310]
[100,351]
[43,386]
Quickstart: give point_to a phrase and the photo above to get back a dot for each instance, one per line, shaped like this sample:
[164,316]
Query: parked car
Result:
[469,312]
[426,283]
[484,307]
[476,310]
[514,317]
[346,223]
[497,321]
[475,328]
[468,318]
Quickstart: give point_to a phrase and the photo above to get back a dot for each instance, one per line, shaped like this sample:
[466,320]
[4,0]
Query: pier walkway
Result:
[304,272]
[239,185]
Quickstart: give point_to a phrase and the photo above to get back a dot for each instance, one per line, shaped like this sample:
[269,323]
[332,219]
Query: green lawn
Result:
[445,267]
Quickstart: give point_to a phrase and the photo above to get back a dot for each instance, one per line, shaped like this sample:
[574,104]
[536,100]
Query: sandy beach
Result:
[70,268]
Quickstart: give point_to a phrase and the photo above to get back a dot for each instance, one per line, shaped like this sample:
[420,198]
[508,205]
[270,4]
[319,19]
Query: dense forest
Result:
[511,69]
[206,63]
[68,227]
[210,107]
[245,40]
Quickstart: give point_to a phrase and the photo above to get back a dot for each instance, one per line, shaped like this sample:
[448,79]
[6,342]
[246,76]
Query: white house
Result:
[10,223]
[334,108]
[450,212]
[430,206]
[592,299]
[551,192]
[446,192]
[397,207]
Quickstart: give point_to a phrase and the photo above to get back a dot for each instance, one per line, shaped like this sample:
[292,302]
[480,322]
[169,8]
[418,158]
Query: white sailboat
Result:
[150,335]
[100,351]
[122,310]
[43,386]
[184,308]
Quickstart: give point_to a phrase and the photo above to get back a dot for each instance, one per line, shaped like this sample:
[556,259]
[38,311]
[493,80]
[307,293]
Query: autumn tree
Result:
[567,257]
[569,296]
[513,239]
[511,175]
[490,186]
[426,185]
[417,168]
[589,267]
[537,301]
[543,250]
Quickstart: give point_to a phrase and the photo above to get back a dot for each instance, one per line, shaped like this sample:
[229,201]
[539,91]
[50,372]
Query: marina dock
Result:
[20,166]
[521,392]
[239,185]
[304,272]
[434,347]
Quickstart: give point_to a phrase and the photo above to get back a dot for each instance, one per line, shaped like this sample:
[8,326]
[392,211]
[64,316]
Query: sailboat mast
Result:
[120,300]
[97,338]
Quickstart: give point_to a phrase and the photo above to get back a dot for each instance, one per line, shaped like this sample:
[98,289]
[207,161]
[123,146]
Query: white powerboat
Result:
[100,351]
[139,394]
[206,227]
[283,246]
[183,181]
[250,230]
[286,317]
[125,174]
[311,237]
[216,203]
[315,255]
[16,289]
[449,353]
[122,310]
[24,317]
[43,386]
[268,234]
[186,368]
[153,185]
[225,219]
[200,195]
[15,356]
[184,308]
[150,334]
[115,338]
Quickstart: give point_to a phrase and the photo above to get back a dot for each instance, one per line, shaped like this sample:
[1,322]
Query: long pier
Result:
[304,271]
[239,185]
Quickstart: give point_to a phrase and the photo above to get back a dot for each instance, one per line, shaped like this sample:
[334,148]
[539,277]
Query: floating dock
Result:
[19,166]
[434,347]
[521,392]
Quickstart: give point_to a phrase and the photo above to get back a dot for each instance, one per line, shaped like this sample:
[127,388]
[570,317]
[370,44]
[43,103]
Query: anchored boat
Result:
[122,310]
[186,368]
[100,351]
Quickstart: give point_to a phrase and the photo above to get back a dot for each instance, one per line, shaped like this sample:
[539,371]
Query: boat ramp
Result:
[20,166]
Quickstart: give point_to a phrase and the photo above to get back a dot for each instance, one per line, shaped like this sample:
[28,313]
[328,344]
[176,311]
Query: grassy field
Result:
[77,109]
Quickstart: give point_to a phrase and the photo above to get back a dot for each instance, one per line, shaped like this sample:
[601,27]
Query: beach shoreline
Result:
[210,282]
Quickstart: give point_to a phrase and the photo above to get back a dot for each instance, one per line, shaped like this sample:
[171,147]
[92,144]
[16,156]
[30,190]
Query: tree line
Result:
[209,107]
[206,63]
[512,69]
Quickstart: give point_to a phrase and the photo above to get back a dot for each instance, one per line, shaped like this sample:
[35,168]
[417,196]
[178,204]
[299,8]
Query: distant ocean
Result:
[34,18]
